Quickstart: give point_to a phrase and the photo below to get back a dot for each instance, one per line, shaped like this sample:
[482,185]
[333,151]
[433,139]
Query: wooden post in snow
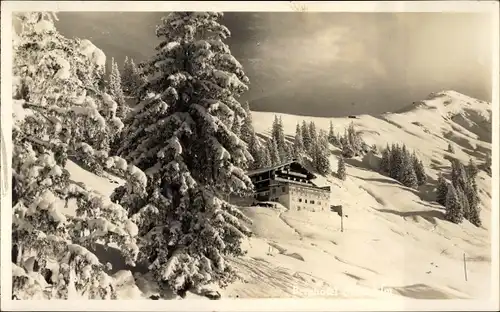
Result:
[465,268]
[341,220]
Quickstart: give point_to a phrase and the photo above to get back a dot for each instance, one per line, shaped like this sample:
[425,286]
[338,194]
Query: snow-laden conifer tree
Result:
[472,172]
[441,190]
[474,209]
[418,167]
[298,143]
[407,176]
[247,130]
[464,202]
[272,147]
[396,161]
[306,137]
[385,165]
[266,157]
[313,133]
[279,136]
[181,137]
[60,85]
[257,150]
[116,91]
[53,258]
[321,154]
[132,78]
[331,134]
[341,169]
[454,212]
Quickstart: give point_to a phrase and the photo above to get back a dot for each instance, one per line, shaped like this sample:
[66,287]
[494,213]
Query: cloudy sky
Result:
[326,64]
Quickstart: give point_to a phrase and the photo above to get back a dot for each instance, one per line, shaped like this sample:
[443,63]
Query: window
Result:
[300,200]
[274,191]
[283,189]
[319,203]
[312,202]
[305,201]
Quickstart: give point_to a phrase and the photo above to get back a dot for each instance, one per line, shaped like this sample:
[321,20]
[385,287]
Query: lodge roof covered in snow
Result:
[296,164]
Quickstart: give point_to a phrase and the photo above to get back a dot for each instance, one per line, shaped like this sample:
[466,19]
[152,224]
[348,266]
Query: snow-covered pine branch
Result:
[64,111]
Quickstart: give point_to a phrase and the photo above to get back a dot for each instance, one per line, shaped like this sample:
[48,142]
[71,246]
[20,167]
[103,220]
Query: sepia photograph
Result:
[199,153]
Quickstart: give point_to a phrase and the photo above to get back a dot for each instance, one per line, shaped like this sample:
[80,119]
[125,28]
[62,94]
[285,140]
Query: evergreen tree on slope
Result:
[266,157]
[474,209]
[258,153]
[408,177]
[298,143]
[116,91]
[331,134]
[127,80]
[272,147]
[418,167]
[441,190]
[279,136]
[60,93]
[247,130]
[454,212]
[313,134]
[385,165]
[341,169]
[306,137]
[396,161]
[181,137]
[321,154]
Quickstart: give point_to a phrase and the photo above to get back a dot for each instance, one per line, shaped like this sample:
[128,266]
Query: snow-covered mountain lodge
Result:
[291,185]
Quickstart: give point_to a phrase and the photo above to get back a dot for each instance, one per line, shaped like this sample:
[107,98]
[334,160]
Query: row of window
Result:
[283,189]
[301,192]
[312,202]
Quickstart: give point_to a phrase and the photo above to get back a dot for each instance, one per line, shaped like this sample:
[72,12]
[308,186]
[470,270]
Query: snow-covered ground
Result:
[395,241]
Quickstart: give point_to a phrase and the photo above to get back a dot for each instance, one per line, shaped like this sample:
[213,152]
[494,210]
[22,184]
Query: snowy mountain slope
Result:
[395,241]
[395,238]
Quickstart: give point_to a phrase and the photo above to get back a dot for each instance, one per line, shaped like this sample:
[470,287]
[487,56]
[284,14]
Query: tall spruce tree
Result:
[127,77]
[341,169]
[306,137]
[321,154]
[266,157]
[247,130]
[454,212]
[464,202]
[441,190]
[313,133]
[418,167]
[116,91]
[279,136]
[396,161]
[474,208]
[272,147]
[385,164]
[181,137]
[298,143]
[407,175]
[331,134]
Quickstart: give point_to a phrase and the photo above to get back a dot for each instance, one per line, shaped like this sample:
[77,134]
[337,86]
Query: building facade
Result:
[291,185]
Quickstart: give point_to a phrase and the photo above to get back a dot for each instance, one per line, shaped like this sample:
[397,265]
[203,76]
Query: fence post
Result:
[465,268]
